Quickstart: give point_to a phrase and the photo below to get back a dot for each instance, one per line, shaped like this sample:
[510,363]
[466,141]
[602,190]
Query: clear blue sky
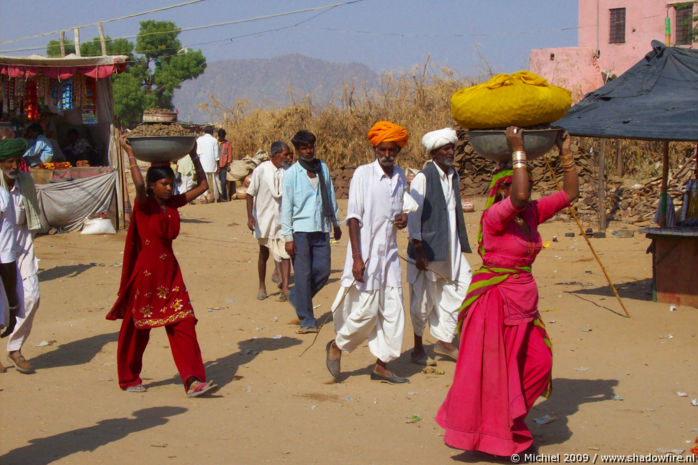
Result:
[383,34]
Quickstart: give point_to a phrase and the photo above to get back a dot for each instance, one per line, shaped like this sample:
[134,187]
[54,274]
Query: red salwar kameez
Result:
[505,358]
[152,294]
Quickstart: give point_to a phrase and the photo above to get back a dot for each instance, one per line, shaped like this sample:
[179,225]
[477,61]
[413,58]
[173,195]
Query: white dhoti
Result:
[28,301]
[186,183]
[377,315]
[436,302]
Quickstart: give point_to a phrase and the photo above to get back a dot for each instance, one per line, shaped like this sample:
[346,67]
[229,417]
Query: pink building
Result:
[612,36]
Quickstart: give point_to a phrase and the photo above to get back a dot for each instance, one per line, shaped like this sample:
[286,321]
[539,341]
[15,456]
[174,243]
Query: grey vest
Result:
[435,218]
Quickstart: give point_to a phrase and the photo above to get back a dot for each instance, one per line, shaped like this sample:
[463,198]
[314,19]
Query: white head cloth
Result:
[436,139]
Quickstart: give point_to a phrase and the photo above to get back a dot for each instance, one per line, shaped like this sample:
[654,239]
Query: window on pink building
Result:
[617,33]
[684,24]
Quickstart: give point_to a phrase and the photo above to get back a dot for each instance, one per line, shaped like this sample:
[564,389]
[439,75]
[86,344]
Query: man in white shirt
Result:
[437,240]
[369,304]
[23,195]
[8,266]
[263,212]
[207,149]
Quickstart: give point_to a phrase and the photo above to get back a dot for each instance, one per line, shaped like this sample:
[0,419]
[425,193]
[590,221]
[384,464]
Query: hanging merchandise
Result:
[62,94]
[31,101]
[88,107]
[67,95]
[78,90]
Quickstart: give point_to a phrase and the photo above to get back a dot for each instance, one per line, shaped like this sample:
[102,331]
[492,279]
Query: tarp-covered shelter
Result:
[657,99]
[77,93]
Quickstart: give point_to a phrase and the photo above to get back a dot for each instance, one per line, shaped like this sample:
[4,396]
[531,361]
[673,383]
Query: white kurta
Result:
[27,266]
[432,299]
[373,309]
[8,253]
[266,186]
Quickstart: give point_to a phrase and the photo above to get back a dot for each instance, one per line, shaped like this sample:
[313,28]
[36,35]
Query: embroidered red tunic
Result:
[152,288]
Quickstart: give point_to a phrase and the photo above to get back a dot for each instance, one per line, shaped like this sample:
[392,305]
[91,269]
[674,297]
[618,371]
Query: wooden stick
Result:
[450,281]
[581,229]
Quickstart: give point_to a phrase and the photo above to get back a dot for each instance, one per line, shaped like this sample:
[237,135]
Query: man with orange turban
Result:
[385,131]
[369,303]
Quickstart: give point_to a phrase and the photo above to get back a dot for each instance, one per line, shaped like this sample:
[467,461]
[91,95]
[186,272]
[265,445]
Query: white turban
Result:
[436,139]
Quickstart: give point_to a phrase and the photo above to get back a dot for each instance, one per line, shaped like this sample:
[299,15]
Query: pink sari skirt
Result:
[501,371]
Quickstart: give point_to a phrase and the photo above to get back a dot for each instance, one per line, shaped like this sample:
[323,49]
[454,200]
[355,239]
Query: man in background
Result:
[20,185]
[207,150]
[308,211]
[40,149]
[263,218]
[225,154]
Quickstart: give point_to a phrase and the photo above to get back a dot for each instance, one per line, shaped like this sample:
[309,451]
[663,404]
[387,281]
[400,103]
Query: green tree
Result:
[157,68]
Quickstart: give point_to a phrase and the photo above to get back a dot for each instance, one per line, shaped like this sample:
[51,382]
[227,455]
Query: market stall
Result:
[71,99]
[657,99]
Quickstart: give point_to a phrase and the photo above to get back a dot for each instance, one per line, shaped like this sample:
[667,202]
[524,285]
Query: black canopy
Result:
[655,99]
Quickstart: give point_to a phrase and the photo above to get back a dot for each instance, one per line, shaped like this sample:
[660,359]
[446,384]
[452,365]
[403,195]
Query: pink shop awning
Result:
[62,68]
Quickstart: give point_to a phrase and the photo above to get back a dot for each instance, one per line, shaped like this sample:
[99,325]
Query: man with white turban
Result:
[437,239]
[369,303]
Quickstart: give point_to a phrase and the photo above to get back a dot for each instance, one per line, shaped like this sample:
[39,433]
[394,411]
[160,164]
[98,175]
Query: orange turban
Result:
[385,131]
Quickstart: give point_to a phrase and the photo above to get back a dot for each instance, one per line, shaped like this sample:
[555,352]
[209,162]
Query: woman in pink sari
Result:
[505,356]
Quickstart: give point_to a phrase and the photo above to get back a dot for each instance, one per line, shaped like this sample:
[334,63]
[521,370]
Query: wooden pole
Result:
[76,31]
[62,42]
[581,229]
[602,185]
[102,42]
[663,193]
[620,166]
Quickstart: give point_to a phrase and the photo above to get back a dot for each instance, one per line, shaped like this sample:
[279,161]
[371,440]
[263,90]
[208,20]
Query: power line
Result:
[44,34]
[207,26]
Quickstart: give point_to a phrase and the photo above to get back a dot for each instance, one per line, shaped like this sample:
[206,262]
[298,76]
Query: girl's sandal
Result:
[197,388]
[136,388]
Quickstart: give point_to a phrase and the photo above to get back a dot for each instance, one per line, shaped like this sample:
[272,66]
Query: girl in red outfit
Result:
[152,291]
[505,357]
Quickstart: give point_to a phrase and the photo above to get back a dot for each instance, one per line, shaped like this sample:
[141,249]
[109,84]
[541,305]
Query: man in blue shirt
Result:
[40,150]
[308,211]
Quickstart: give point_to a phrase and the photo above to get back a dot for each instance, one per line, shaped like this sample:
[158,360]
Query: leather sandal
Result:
[333,366]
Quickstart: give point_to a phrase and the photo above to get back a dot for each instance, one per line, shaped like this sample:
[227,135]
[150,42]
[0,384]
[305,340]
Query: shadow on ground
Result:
[639,290]
[51,448]
[65,271]
[223,370]
[74,353]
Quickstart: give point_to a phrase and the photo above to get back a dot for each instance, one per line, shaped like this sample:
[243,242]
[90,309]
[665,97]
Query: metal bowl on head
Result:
[492,143]
[162,117]
[154,149]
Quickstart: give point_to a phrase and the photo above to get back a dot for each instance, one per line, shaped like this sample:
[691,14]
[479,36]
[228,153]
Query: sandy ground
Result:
[615,379]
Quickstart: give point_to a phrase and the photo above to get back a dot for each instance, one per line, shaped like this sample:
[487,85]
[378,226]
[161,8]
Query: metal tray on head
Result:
[159,117]
[492,143]
[155,149]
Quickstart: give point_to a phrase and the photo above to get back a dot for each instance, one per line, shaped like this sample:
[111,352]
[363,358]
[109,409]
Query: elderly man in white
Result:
[20,186]
[369,304]
[263,218]
[9,292]
[437,240]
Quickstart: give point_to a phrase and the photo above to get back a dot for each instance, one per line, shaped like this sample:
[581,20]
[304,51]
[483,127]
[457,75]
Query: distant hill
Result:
[266,83]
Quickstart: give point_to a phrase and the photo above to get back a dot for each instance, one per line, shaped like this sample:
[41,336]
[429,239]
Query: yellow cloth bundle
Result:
[520,99]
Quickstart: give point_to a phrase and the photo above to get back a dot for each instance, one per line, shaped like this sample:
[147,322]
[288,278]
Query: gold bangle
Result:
[519,164]
[518,155]
[133,166]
